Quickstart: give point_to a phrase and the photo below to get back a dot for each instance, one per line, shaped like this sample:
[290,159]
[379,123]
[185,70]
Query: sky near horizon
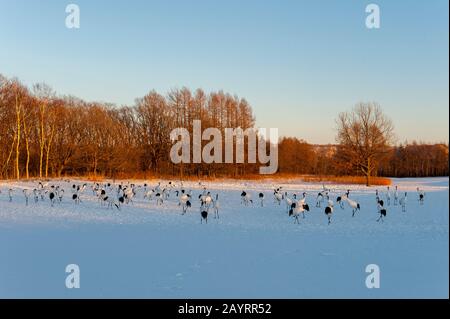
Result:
[298,63]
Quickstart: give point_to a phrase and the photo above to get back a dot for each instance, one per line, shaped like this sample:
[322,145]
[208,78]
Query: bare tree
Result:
[44,93]
[155,123]
[8,118]
[27,113]
[364,135]
[19,97]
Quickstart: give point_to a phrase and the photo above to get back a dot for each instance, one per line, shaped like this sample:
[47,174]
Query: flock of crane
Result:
[114,196]
[298,206]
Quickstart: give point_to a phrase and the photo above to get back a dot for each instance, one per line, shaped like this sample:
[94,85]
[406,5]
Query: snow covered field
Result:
[150,251]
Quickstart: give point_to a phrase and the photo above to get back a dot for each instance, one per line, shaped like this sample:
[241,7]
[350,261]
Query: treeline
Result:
[416,160]
[44,135]
[406,160]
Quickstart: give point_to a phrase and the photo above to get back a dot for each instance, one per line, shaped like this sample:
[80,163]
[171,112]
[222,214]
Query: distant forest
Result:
[44,135]
[406,160]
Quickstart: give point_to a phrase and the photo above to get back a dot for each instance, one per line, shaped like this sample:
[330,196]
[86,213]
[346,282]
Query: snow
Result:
[150,251]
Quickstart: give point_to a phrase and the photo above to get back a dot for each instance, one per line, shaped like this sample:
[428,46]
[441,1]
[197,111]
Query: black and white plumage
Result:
[128,194]
[329,211]
[36,195]
[340,202]
[403,201]
[278,196]
[421,196]
[52,197]
[382,211]
[185,202]
[322,196]
[288,201]
[159,198]
[10,194]
[205,199]
[319,199]
[297,209]
[60,195]
[396,196]
[149,194]
[26,193]
[261,199]
[111,202]
[353,204]
[76,198]
[302,201]
[216,206]
[204,215]
[388,196]
[246,198]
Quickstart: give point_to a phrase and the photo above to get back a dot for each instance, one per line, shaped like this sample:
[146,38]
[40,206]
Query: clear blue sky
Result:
[299,63]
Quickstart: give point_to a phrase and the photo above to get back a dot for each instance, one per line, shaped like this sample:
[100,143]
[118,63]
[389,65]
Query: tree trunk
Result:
[18,139]
[27,145]
[95,165]
[368,171]
[5,167]
[41,140]
[27,165]
[48,151]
